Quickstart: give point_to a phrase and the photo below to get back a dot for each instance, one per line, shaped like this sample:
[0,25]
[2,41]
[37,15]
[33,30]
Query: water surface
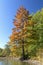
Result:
[13,62]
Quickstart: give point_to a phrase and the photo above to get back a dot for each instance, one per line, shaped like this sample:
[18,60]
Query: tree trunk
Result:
[23,50]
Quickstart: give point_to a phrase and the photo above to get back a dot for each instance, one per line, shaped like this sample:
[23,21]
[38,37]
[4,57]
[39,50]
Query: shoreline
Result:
[34,62]
[30,61]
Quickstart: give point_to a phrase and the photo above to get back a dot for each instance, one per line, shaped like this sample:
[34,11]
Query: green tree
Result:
[1,50]
[7,50]
[38,19]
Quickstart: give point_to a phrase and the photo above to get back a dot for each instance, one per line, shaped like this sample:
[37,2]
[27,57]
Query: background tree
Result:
[38,19]
[7,50]
[1,50]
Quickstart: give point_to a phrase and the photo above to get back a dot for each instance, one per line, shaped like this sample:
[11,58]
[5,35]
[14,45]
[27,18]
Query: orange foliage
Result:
[20,23]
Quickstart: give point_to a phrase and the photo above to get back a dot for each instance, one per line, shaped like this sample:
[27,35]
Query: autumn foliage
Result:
[21,22]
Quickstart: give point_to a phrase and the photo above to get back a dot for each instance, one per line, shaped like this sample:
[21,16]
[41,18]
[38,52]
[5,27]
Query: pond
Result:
[13,62]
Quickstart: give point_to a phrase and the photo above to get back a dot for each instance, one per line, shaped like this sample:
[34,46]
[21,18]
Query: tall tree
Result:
[19,34]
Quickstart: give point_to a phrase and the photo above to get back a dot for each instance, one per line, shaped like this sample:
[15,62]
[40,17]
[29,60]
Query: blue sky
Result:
[8,9]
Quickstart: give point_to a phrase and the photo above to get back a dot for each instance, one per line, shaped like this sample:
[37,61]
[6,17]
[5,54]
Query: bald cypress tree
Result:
[19,34]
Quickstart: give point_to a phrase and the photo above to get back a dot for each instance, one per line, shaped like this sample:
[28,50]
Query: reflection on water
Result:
[14,62]
[1,63]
